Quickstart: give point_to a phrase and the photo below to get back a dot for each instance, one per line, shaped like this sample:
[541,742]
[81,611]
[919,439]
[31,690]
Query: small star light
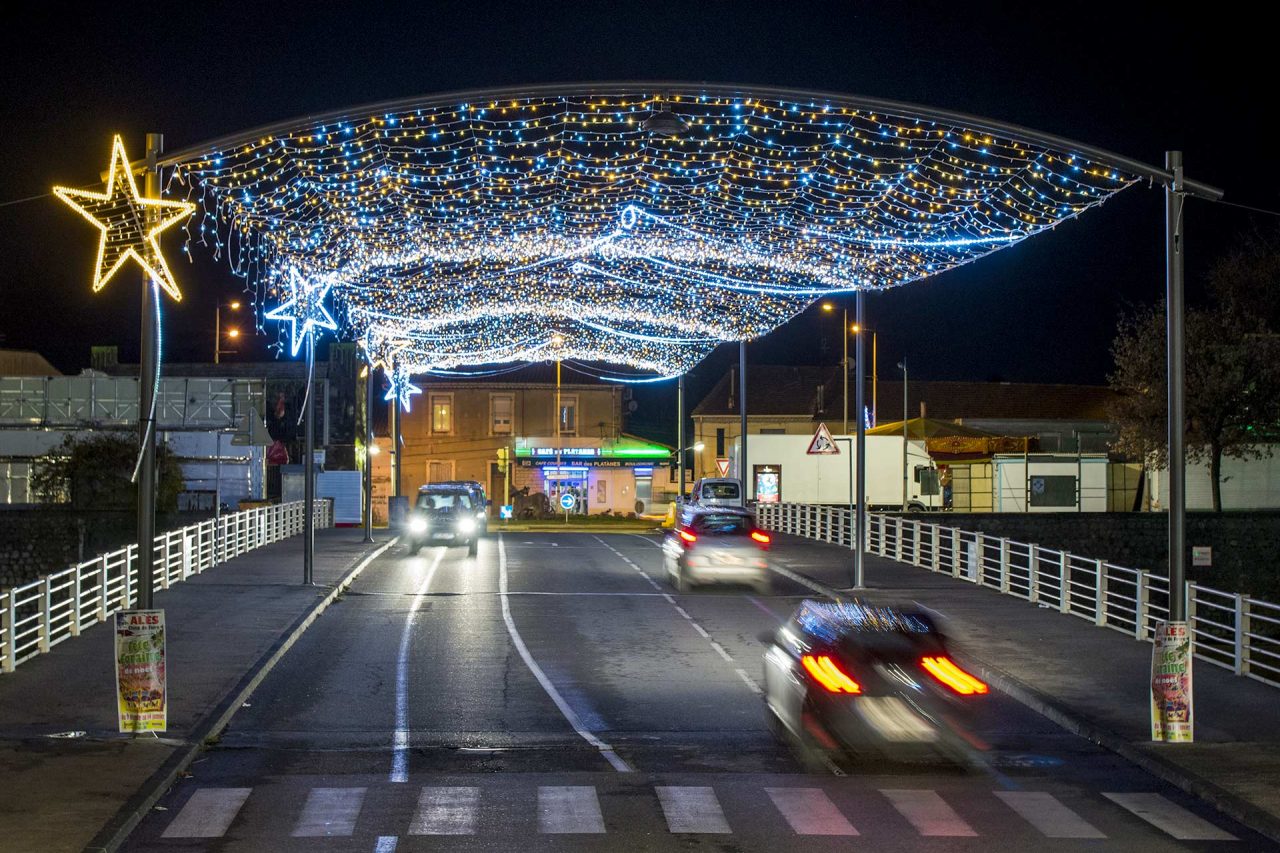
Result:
[401,388]
[130,223]
[304,309]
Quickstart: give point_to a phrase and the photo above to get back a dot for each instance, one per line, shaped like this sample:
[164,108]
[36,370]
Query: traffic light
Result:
[504,460]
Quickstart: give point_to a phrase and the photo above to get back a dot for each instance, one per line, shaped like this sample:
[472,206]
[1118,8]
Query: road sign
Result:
[822,443]
[507,511]
[567,501]
[722,465]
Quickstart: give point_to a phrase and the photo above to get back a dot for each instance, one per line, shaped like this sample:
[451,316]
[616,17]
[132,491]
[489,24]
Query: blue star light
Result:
[304,309]
[401,388]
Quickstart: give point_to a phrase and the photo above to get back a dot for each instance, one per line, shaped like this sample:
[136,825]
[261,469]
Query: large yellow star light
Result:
[130,223]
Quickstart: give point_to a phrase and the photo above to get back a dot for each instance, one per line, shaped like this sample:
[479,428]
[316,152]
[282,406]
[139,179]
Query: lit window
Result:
[568,415]
[442,413]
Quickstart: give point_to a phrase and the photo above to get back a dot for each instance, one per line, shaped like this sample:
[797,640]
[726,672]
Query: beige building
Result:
[456,428]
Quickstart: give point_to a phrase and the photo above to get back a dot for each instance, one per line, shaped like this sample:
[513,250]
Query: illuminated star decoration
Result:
[401,388]
[130,223]
[304,309]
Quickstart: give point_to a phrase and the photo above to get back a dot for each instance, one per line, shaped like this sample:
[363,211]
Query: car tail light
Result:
[829,674]
[687,536]
[946,671]
[762,539]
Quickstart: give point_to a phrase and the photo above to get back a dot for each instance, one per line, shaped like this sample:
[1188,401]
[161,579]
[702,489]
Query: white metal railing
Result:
[37,616]
[1229,630]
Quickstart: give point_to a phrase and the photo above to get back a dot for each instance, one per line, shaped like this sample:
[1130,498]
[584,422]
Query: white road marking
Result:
[400,739]
[446,811]
[329,812]
[810,811]
[692,809]
[1047,814]
[569,809]
[751,683]
[720,650]
[208,813]
[928,813]
[1170,817]
[386,844]
[569,714]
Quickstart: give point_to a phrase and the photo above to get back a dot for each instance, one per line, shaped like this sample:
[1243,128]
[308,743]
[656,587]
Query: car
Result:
[717,544]
[851,679]
[478,499]
[716,491]
[444,514]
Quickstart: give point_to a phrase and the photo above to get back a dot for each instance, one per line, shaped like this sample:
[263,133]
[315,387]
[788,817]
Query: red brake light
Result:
[829,674]
[687,535]
[945,670]
[761,537]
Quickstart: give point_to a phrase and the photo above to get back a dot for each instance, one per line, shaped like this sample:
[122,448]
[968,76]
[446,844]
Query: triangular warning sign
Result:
[822,442]
[722,465]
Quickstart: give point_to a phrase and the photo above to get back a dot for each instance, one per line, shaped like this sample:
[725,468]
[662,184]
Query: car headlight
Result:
[417,524]
[466,525]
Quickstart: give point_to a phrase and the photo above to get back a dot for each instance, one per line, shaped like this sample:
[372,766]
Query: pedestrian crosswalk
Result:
[795,809]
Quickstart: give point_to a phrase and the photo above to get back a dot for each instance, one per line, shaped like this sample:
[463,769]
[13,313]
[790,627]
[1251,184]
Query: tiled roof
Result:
[21,362]
[778,391]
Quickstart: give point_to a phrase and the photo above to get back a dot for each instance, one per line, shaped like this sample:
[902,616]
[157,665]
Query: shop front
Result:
[615,477]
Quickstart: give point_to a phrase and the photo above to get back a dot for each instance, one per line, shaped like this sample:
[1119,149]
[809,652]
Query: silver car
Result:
[717,544]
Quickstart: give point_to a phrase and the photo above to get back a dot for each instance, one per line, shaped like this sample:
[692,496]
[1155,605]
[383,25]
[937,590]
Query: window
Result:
[568,414]
[500,409]
[721,491]
[439,470]
[441,414]
[720,442]
[444,500]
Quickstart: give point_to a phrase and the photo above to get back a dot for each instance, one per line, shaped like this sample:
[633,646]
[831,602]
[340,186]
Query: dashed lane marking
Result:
[1045,813]
[329,812]
[208,813]
[569,810]
[1170,817]
[446,811]
[809,811]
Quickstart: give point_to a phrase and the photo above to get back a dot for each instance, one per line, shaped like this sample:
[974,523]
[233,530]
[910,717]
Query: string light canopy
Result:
[636,224]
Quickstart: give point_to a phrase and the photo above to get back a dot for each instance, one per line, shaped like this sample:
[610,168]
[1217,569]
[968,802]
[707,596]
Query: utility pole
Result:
[860,506]
[903,365]
[742,408]
[1175,343]
[309,468]
[147,381]
[844,340]
[368,453]
[680,431]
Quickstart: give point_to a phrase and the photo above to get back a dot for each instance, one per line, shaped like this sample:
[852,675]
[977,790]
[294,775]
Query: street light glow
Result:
[699,446]
[235,305]
[233,333]
[374,450]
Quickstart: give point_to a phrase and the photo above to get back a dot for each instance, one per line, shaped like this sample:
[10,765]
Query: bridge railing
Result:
[36,616]
[1230,630]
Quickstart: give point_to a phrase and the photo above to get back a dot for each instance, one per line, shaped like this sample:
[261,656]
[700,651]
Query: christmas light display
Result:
[304,310]
[401,388]
[130,223]
[643,224]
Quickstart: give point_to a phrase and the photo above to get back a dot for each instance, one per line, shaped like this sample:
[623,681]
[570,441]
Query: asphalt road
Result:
[554,693]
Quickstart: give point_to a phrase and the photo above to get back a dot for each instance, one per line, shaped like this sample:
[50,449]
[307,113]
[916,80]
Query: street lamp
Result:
[875,373]
[902,365]
[557,343]
[844,361]
[233,333]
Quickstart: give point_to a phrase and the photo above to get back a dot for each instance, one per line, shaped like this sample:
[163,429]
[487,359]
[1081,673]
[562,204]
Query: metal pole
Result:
[396,440]
[368,455]
[844,339]
[875,380]
[309,469]
[1176,367]
[217,490]
[680,431]
[904,434]
[742,408]
[146,404]
[860,504]
[559,480]
[217,332]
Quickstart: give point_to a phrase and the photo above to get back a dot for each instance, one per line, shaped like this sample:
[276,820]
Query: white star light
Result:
[401,388]
[305,308]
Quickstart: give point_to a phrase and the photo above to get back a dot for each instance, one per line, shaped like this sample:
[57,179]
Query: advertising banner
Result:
[141,695]
[1171,718]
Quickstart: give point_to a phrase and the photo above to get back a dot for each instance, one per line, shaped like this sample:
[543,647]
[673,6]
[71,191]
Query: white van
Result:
[717,491]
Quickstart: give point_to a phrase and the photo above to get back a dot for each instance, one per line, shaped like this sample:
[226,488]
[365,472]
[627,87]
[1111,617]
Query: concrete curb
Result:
[1197,786]
[117,830]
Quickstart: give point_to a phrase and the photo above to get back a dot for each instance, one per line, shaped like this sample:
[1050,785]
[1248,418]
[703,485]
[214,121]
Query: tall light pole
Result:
[858,329]
[742,408]
[557,343]
[147,367]
[232,333]
[680,430]
[903,366]
[860,505]
[369,451]
[844,360]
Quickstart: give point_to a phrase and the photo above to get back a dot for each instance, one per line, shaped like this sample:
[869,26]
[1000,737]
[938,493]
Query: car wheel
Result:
[473,546]
[414,548]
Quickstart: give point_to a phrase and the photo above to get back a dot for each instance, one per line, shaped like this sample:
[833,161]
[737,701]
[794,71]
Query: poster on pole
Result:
[141,693]
[1171,718]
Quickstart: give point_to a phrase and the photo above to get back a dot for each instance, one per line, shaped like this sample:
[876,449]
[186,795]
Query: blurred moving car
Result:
[478,500]
[716,491]
[443,513]
[845,680]
[717,544]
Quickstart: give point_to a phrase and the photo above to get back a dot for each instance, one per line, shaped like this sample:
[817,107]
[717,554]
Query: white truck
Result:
[782,464]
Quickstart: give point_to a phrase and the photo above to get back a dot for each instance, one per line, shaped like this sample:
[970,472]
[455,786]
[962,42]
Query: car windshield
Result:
[444,500]
[716,524]
[720,491]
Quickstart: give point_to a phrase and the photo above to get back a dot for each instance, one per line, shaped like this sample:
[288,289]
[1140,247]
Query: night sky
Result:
[1132,81]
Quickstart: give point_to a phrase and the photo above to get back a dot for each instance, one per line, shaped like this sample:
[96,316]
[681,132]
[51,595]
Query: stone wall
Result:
[1246,545]
[35,541]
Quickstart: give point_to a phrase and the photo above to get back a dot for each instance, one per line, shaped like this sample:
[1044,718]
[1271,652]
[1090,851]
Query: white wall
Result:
[1010,482]
[1246,484]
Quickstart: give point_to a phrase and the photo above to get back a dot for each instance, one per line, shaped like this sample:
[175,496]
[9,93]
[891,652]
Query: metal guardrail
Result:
[1229,630]
[37,616]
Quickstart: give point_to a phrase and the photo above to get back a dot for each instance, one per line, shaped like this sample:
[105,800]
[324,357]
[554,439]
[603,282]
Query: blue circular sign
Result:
[567,501]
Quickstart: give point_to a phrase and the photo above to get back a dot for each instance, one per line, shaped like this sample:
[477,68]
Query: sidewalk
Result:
[1093,681]
[59,793]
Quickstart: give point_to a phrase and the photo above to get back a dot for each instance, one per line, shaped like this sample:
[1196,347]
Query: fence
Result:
[1229,630]
[37,616]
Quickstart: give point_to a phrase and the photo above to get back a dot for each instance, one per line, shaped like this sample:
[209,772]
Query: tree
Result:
[94,471]
[1232,368]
